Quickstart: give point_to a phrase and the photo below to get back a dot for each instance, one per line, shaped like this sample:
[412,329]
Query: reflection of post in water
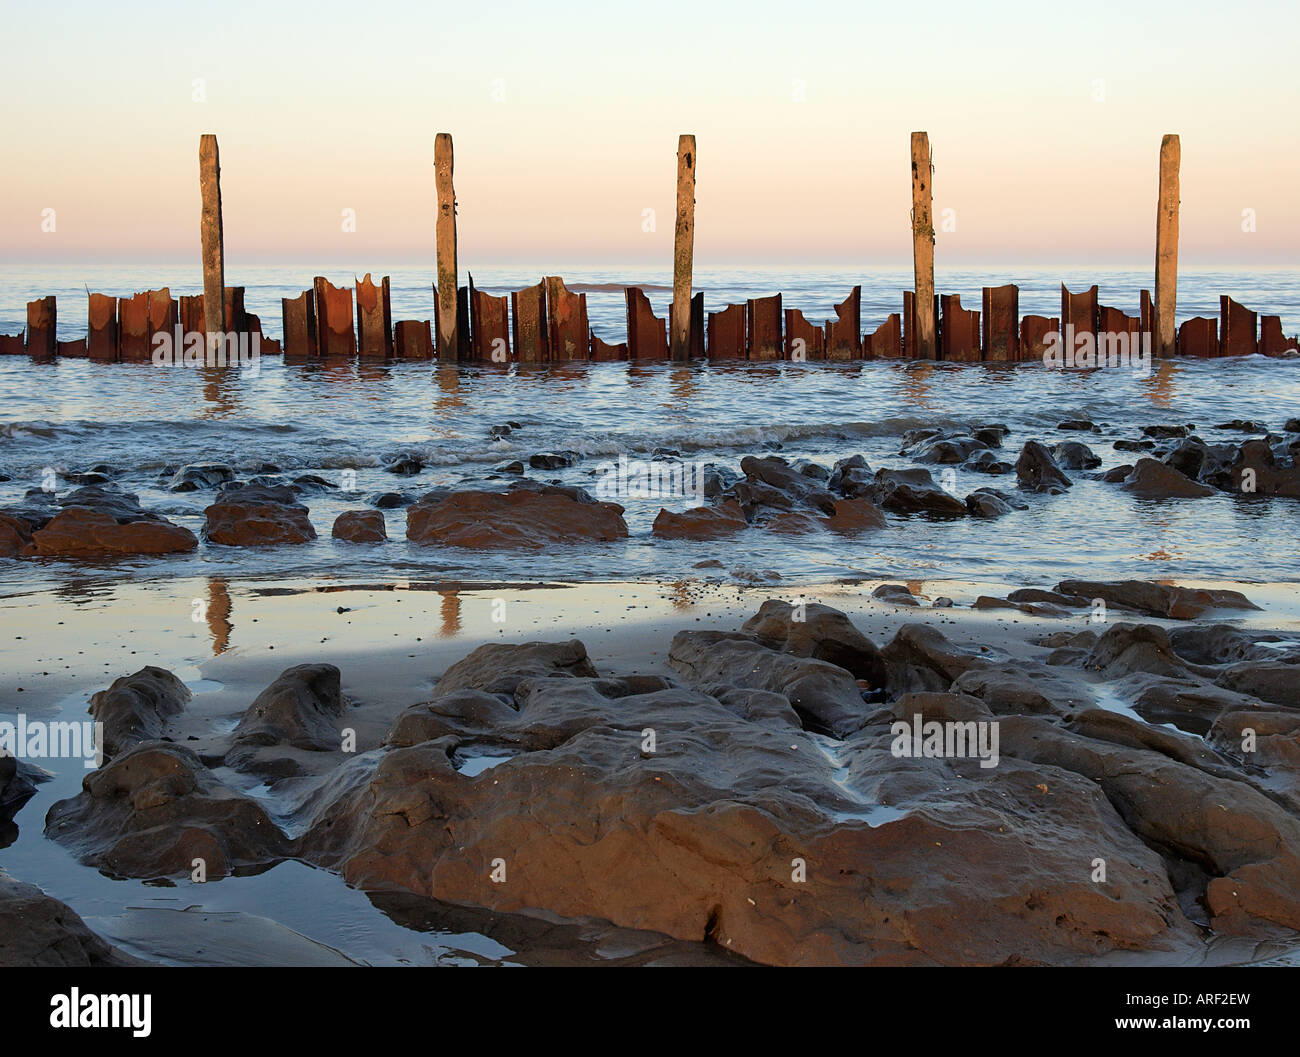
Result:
[218,393]
[1160,386]
[916,385]
[446,377]
[219,626]
[682,382]
[450,614]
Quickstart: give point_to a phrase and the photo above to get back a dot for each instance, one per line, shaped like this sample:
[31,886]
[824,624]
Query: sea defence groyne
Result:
[547,322]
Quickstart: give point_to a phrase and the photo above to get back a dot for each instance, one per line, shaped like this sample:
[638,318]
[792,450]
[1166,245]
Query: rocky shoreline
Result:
[750,797]
[506,510]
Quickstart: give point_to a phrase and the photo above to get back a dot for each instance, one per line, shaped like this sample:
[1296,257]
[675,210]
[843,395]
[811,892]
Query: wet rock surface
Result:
[525,518]
[37,930]
[257,515]
[752,797]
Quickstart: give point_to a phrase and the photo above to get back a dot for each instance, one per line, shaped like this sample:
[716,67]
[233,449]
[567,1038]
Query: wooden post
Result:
[448,317]
[683,249]
[1167,247]
[923,246]
[214,253]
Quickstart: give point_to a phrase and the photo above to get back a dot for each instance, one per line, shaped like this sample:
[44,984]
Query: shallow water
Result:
[305,419]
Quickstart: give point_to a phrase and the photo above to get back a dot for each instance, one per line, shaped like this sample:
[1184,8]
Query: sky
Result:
[1045,123]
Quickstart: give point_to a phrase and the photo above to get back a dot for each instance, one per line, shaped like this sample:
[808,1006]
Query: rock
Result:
[18,782]
[702,522]
[1011,690]
[200,475]
[1080,424]
[1037,471]
[794,523]
[499,668]
[1277,682]
[688,844]
[301,708]
[1236,844]
[852,516]
[550,460]
[851,477]
[515,468]
[820,632]
[1156,600]
[1118,474]
[986,461]
[1166,432]
[15,535]
[991,435]
[913,491]
[1152,479]
[989,502]
[920,658]
[524,518]
[250,515]
[1124,648]
[825,696]
[1134,445]
[155,809]
[38,931]
[360,526]
[1244,426]
[776,473]
[947,449]
[390,500]
[87,477]
[717,479]
[1072,455]
[895,595]
[406,465]
[1224,644]
[1256,470]
[311,482]
[137,708]
[80,533]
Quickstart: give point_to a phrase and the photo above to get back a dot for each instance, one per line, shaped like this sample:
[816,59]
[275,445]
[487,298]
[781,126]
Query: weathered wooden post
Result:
[448,316]
[214,253]
[923,246]
[1167,247]
[683,249]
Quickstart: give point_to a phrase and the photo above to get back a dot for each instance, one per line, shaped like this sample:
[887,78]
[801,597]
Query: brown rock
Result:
[257,515]
[78,532]
[154,810]
[360,526]
[37,930]
[702,522]
[523,518]
[136,708]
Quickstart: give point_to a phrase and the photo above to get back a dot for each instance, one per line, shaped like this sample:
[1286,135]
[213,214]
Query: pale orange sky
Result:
[1045,131]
